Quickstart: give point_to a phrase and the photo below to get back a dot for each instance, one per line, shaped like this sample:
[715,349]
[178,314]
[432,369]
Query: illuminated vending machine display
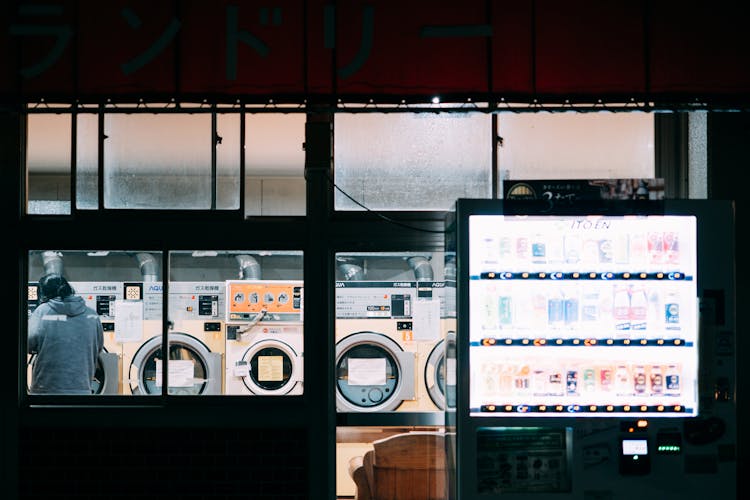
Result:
[583,315]
[595,349]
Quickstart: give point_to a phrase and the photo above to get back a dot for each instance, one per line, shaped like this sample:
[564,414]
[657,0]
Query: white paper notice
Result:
[426,319]
[241,369]
[181,373]
[366,371]
[270,368]
[129,320]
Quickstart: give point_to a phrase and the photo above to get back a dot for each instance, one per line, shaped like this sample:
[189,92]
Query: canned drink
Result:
[555,384]
[605,378]
[673,381]
[639,380]
[539,382]
[571,383]
[623,385]
[538,249]
[672,311]
[589,379]
[656,379]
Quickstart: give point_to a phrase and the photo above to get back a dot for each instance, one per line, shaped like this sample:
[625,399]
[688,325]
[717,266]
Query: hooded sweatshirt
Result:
[66,336]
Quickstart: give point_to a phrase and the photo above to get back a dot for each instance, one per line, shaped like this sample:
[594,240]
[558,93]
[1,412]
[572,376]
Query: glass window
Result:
[158,161]
[87,161]
[409,161]
[48,163]
[600,145]
[275,164]
[394,325]
[119,290]
[236,323]
[228,161]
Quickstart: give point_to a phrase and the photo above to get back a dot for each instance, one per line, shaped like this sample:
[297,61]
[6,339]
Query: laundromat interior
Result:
[378,279]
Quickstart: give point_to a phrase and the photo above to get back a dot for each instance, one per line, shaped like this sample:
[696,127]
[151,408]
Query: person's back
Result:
[66,337]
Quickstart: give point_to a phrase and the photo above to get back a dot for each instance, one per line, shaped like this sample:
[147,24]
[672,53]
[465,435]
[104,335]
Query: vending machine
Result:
[595,349]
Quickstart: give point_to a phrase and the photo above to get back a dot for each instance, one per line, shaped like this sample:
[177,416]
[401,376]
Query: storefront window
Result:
[235,323]
[48,164]
[410,161]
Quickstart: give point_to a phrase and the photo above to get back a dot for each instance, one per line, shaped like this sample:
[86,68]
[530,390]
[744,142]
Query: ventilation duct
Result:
[450,269]
[421,267]
[148,266]
[350,270]
[249,267]
[53,263]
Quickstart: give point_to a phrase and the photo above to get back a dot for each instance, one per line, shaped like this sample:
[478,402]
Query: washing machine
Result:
[264,337]
[194,353]
[99,296]
[385,332]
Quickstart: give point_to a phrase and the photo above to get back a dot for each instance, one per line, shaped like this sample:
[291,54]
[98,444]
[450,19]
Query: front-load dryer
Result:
[264,337]
[384,334]
[193,367]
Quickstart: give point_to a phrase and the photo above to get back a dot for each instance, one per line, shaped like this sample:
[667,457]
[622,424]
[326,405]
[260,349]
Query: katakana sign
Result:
[297,48]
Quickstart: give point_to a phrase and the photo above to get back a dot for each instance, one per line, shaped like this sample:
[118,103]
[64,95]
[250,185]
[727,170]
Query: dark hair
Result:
[54,285]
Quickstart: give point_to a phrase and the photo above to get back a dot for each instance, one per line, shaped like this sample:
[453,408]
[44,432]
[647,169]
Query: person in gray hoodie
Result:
[65,338]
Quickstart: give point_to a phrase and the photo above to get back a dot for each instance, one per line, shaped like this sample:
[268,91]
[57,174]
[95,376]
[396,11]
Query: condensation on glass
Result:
[87,161]
[595,145]
[228,161]
[123,288]
[157,161]
[275,164]
[411,161]
[48,154]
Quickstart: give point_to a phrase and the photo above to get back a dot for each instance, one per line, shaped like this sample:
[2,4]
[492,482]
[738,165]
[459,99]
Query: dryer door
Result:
[194,369]
[373,373]
[274,368]
[107,375]
[439,374]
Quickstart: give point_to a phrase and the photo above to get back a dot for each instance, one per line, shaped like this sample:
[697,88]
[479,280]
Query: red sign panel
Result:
[361,49]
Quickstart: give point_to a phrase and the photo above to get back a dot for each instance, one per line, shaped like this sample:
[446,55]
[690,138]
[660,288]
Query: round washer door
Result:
[373,373]
[274,368]
[436,372]
[182,348]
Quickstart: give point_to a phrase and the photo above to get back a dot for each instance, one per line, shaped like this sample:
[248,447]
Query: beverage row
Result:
[636,250]
[499,380]
[606,310]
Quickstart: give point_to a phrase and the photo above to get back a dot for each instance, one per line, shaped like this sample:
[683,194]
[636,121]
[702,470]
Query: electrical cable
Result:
[382,216]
